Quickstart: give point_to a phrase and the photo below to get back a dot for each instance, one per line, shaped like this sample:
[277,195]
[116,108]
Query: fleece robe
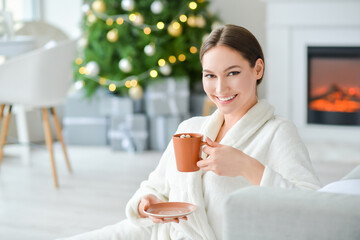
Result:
[270,139]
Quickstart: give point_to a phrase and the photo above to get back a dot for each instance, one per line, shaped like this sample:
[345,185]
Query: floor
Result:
[94,195]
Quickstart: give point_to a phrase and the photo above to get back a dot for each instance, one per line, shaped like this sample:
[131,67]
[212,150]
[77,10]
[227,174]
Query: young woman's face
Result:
[229,80]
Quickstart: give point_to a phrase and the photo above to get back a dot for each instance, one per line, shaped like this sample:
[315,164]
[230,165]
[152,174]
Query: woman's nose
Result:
[221,85]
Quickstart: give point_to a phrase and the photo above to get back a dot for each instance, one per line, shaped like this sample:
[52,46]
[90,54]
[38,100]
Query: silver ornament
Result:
[166,69]
[92,69]
[156,7]
[127,5]
[125,65]
[149,50]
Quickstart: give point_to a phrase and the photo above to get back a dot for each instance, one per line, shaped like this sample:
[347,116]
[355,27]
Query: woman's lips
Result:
[227,99]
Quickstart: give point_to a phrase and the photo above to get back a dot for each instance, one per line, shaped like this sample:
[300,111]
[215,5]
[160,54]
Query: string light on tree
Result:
[153,73]
[112,87]
[183,18]
[192,5]
[160,25]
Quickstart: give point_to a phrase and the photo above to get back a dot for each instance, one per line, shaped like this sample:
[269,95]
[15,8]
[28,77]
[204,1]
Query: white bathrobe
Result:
[270,139]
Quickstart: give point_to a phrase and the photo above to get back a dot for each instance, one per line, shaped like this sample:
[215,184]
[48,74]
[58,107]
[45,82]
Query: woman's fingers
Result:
[166,220]
[156,220]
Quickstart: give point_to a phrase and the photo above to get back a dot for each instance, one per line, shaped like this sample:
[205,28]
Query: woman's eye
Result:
[234,73]
[209,75]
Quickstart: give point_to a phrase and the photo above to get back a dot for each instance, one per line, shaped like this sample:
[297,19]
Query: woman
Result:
[247,145]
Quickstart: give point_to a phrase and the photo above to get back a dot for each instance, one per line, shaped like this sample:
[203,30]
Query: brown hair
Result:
[237,38]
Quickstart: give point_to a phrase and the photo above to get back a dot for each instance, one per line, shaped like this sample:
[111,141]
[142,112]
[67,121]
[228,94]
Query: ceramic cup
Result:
[187,151]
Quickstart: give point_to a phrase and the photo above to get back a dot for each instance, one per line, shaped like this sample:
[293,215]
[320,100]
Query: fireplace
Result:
[313,69]
[333,86]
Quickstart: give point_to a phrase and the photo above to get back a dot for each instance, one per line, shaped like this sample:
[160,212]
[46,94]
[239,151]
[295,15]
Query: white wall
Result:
[65,14]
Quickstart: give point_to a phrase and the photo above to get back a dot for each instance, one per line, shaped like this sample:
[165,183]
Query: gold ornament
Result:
[200,21]
[191,21]
[136,92]
[112,35]
[91,18]
[175,29]
[98,6]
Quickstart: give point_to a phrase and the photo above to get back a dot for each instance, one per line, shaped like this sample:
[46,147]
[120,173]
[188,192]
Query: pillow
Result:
[349,186]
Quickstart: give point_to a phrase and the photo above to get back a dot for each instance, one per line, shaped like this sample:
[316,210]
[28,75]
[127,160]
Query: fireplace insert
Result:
[334,85]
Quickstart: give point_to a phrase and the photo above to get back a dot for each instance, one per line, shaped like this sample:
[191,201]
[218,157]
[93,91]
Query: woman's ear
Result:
[259,68]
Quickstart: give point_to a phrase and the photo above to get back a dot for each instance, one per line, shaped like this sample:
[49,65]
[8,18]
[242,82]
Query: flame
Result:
[335,99]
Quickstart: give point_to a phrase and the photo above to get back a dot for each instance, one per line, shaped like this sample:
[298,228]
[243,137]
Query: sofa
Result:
[282,214]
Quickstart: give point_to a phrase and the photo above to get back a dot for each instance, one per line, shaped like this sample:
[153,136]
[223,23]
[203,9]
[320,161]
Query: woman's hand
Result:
[145,203]
[228,161]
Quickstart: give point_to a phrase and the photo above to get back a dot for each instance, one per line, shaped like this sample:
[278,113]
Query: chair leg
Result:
[2,106]
[60,137]
[49,143]
[4,132]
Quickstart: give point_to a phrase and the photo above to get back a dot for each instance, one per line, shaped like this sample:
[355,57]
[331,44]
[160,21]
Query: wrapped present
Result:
[167,97]
[128,133]
[197,103]
[77,105]
[161,130]
[111,105]
[85,130]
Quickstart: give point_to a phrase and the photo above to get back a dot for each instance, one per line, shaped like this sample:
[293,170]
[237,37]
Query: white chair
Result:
[43,32]
[40,78]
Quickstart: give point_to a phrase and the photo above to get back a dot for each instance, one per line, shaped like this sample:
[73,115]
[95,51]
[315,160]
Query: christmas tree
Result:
[127,44]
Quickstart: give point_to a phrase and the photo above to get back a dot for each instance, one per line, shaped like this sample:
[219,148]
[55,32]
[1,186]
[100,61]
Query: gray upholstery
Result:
[354,174]
[282,214]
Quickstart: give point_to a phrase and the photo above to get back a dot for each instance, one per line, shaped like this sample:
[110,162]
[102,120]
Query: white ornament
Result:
[127,5]
[136,92]
[156,7]
[85,8]
[139,20]
[166,69]
[92,69]
[125,65]
[149,49]
[200,21]
[79,84]
[91,18]
[82,43]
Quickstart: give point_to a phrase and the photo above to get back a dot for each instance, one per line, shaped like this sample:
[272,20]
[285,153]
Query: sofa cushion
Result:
[354,174]
[347,186]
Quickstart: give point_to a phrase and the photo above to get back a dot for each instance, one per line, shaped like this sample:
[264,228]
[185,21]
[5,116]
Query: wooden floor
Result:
[93,196]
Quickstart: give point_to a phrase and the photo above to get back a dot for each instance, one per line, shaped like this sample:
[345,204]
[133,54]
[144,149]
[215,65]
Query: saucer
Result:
[170,209]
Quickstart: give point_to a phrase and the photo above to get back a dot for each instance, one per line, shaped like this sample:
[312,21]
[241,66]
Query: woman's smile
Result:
[226,99]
